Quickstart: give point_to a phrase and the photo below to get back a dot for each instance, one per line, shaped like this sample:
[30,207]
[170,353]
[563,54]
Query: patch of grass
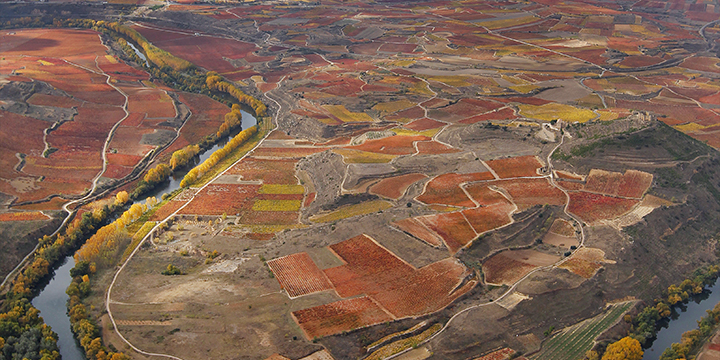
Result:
[352,210]
[137,237]
[277,205]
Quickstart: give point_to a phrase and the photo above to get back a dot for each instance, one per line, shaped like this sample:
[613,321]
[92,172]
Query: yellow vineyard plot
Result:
[277,205]
[524,89]
[393,106]
[607,115]
[111,59]
[352,210]
[405,132]
[451,80]
[689,127]
[281,189]
[345,115]
[351,156]
[554,111]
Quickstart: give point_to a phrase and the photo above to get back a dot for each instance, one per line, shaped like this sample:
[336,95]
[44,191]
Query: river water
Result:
[139,53]
[52,300]
[684,318]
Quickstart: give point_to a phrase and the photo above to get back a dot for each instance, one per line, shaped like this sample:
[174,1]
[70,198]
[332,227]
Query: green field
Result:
[573,342]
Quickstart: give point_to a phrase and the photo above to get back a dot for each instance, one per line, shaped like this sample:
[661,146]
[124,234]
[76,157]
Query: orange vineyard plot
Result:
[222,199]
[433,148]
[522,166]
[510,266]
[527,193]
[490,217]
[23,216]
[453,228]
[484,195]
[397,286]
[269,171]
[502,270]
[392,145]
[445,189]
[418,230]
[632,183]
[394,187]
[339,316]
[585,262]
[299,275]
[592,208]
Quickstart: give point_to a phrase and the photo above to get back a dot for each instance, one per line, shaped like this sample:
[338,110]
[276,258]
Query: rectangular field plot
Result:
[222,199]
[299,275]
[398,287]
[527,193]
[339,316]
[515,167]
[453,228]
[418,230]
[573,342]
[591,207]
[510,266]
[632,183]
[445,189]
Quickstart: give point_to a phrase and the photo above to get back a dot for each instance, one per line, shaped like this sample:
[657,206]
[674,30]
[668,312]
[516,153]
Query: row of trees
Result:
[215,82]
[154,54]
[104,247]
[233,119]
[200,170]
[83,324]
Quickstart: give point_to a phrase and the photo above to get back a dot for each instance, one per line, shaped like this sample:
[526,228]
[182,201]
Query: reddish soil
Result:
[424,124]
[527,193]
[286,153]
[395,187]
[453,228]
[515,167]
[418,230]
[339,316]
[631,184]
[592,208]
[490,217]
[298,274]
[223,199]
[434,147]
[269,171]
[500,269]
[401,289]
[51,100]
[392,145]
[504,114]
[445,190]
[22,216]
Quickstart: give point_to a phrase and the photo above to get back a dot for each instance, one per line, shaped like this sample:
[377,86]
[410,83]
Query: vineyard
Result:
[573,342]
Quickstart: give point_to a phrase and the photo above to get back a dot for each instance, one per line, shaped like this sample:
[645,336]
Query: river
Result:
[684,318]
[52,300]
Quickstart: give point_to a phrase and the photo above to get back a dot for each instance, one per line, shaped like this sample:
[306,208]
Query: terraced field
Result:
[572,343]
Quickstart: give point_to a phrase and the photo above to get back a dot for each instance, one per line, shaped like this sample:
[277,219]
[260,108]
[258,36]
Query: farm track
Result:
[108,295]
